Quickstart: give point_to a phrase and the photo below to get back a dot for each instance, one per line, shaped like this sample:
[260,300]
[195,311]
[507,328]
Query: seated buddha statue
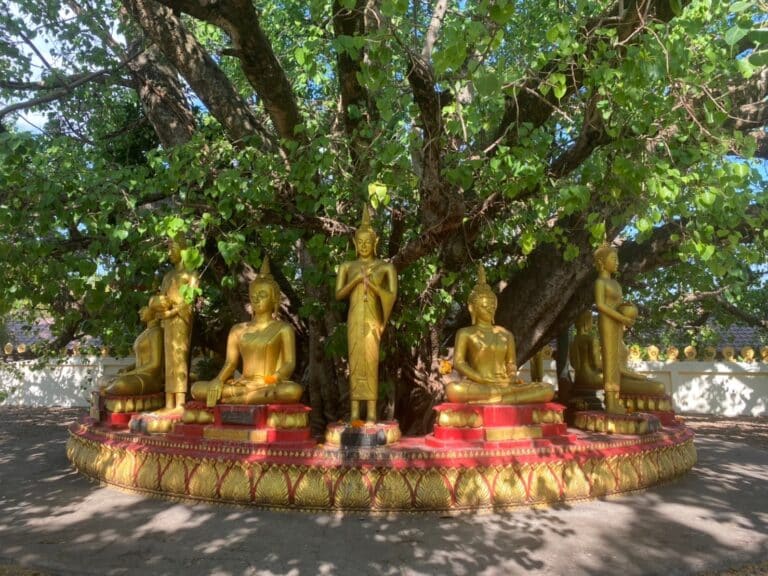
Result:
[633,382]
[585,355]
[145,375]
[484,355]
[267,349]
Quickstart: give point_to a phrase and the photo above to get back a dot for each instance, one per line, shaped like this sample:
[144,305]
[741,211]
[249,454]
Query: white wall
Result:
[722,388]
[65,383]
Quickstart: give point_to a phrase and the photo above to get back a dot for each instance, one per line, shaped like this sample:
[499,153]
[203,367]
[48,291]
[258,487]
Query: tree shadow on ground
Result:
[57,521]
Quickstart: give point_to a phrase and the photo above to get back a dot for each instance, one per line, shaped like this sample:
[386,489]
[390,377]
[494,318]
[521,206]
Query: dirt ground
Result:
[712,522]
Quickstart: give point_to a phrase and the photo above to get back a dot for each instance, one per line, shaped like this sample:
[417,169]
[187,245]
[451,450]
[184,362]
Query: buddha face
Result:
[174,253]
[365,244]
[262,298]
[611,262]
[483,309]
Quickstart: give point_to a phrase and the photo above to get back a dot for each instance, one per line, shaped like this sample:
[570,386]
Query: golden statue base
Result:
[360,434]
[646,403]
[636,424]
[407,476]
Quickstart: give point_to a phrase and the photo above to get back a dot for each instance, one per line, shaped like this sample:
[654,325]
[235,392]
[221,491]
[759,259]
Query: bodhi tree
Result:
[516,134]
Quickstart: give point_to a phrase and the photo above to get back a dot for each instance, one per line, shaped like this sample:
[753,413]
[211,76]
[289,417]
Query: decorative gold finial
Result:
[481,287]
[265,272]
[365,223]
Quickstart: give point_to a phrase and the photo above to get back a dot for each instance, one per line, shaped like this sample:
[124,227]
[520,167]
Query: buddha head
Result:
[366,240]
[175,246]
[584,322]
[263,291]
[606,259]
[482,300]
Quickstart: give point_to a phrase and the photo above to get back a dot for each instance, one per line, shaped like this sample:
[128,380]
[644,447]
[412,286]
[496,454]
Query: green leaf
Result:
[192,258]
[734,34]
[527,242]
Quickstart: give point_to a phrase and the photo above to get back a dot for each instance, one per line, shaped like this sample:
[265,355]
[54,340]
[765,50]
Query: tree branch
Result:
[205,77]
[239,19]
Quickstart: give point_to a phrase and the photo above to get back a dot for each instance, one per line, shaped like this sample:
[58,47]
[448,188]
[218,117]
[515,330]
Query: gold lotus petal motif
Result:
[125,468]
[272,487]
[575,481]
[545,482]
[236,486]
[148,477]
[174,475]
[352,491]
[629,479]
[472,489]
[600,477]
[432,492]
[666,464]
[203,481]
[508,489]
[394,492]
[312,490]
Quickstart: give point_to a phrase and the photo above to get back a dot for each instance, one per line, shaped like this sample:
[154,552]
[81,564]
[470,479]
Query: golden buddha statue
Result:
[176,315]
[267,348]
[611,323]
[634,382]
[584,355]
[614,317]
[145,375]
[370,284]
[484,354]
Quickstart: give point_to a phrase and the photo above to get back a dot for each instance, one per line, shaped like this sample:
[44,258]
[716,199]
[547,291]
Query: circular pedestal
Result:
[408,476]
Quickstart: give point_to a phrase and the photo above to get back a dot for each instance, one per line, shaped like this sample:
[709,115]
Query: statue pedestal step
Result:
[659,406]
[362,435]
[635,424]
[155,422]
[118,410]
[279,424]
[486,424]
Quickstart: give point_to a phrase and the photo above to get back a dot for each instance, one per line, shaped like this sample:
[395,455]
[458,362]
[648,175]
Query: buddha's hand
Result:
[214,393]
[272,378]
[512,369]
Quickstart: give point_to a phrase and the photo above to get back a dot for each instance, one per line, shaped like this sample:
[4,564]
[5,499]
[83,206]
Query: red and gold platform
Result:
[434,474]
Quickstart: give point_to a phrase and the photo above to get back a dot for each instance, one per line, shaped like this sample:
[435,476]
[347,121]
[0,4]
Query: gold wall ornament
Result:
[176,319]
[747,354]
[145,375]
[709,354]
[653,353]
[266,348]
[8,348]
[729,354]
[672,353]
[370,285]
[484,355]
[690,352]
[764,354]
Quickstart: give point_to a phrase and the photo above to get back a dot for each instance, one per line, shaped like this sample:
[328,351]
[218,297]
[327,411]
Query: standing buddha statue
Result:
[176,314]
[370,284]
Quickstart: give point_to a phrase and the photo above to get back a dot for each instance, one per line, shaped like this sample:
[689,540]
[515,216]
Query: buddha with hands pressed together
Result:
[370,284]
[267,348]
[484,354]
